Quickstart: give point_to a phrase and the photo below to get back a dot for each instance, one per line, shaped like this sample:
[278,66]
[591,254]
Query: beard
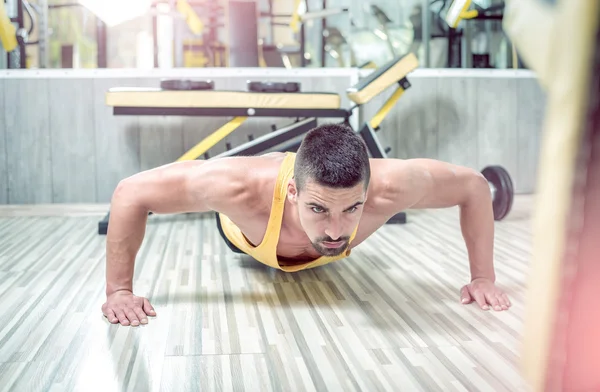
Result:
[325,251]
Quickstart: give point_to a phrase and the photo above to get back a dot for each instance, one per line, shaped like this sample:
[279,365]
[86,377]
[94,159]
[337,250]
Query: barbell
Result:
[501,188]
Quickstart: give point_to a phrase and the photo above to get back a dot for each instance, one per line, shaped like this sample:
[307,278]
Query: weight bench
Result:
[187,98]
[193,98]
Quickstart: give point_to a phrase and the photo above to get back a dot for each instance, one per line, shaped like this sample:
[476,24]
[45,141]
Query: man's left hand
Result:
[486,294]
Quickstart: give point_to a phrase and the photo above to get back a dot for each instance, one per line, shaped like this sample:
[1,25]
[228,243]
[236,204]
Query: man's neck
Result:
[291,219]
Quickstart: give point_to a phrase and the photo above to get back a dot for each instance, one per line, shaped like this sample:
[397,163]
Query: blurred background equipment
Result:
[264,33]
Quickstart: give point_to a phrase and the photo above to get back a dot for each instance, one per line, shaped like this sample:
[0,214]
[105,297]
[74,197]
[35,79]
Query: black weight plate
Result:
[273,87]
[186,85]
[503,199]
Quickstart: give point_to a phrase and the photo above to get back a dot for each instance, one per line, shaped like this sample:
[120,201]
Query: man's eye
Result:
[317,210]
[353,209]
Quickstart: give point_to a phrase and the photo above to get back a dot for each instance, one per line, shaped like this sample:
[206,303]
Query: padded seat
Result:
[153,97]
[384,77]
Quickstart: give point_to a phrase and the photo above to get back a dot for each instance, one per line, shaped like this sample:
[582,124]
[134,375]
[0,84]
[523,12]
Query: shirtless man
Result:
[293,211]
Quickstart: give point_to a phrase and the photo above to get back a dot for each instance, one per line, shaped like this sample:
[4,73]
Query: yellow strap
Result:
[385,109]
[469,14]
[212,139]
[191,17]
[8,32]
[295,17]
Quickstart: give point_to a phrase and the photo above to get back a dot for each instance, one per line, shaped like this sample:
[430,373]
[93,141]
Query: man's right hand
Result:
[124,307]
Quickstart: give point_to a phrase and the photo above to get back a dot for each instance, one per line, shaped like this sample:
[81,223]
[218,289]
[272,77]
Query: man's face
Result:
[328,215]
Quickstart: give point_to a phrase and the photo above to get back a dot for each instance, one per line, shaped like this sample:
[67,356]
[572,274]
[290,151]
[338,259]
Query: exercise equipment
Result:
[501,188]
[561,335]
[261,87]
[460,10]
[183,85]
[8,32]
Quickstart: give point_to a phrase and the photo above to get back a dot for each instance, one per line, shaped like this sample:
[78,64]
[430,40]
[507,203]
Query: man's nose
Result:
[334,229]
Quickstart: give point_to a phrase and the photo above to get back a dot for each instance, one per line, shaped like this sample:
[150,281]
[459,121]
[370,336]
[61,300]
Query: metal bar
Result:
[323,28]
[155,38]
[225,112]
[21,23]
[375,148]
[42,29]
[466,54]
[215,137]
[273,139]
[322,14]
[385,109]
[272,15]
[426,32]
[271,27]
[302,45]
[52,6]
[101,36]
[488,17]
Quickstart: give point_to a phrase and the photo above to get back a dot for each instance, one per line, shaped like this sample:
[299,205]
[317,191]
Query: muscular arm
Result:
[427,183]
[194,186]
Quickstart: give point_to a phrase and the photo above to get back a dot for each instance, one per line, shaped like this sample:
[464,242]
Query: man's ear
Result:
[292,191]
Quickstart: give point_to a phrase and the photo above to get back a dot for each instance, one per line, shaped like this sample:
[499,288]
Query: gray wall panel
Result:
[72,129]
[411,128]
[497,123]
[161,137]
[117,141]
[530,119]
[3,152]
[61,143]
[457,121]
[28,145]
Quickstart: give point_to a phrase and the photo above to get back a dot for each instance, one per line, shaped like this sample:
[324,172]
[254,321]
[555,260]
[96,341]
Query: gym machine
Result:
[14,36]
[460,10]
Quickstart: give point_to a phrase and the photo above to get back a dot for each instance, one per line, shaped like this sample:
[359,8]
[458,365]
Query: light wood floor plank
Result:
[386,319]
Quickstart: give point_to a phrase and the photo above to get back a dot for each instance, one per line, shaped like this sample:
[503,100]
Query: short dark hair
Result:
[332,155]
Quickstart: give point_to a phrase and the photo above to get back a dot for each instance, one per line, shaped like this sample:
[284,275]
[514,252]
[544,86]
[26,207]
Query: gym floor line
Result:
[388,316]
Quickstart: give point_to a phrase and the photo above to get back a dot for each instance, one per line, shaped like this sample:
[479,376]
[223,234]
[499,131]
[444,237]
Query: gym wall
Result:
[60,143]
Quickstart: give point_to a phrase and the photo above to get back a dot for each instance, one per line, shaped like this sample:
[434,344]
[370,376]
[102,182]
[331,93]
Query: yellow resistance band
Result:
[385,109]
[213,139]
[8,32]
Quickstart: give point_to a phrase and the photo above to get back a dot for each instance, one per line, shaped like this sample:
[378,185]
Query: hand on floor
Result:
[124,307]
[486,294]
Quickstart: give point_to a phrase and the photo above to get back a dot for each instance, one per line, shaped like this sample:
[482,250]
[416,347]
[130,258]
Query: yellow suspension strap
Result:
[208,142]
[458,11]
[8,32]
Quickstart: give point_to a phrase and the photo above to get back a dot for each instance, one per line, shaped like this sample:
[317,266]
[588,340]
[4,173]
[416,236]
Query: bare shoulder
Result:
[391,185]
[420,182]
[237,182]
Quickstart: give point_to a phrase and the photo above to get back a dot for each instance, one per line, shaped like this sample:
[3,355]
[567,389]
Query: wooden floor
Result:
[386,319]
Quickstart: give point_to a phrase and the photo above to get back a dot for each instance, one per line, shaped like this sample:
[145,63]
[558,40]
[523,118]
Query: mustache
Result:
[329,239]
